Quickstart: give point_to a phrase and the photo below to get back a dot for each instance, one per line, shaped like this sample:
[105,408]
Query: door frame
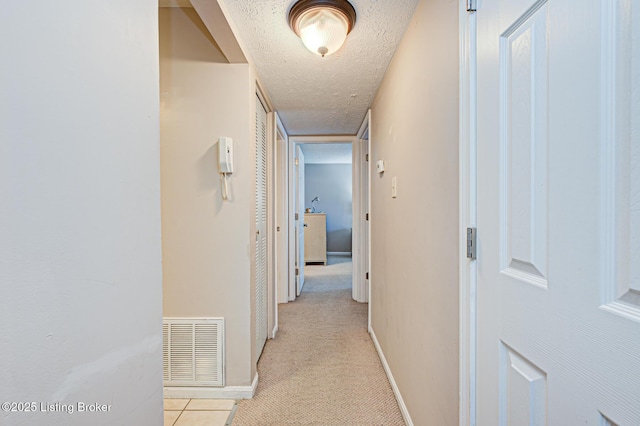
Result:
[291,223]
[277,229]
[467,213]
[281,210]
[362,205]
[299,218]
[300,140]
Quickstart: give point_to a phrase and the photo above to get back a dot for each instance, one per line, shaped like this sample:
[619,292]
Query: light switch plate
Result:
[380,166]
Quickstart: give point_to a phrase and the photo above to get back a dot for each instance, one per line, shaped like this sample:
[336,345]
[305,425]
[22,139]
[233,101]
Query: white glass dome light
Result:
[322,25]
[323,31]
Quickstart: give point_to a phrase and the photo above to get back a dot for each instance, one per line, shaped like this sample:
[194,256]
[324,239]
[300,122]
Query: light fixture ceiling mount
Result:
[322,25]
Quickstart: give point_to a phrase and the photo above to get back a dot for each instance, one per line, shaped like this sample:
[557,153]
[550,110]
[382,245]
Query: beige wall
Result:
[415,236]
[80,248]
[206,241]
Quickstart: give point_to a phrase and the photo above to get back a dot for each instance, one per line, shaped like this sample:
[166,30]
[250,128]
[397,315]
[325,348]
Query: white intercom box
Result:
[225,155]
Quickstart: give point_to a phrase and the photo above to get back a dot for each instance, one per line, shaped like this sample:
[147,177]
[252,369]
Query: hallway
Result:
[502,163]
[322,368]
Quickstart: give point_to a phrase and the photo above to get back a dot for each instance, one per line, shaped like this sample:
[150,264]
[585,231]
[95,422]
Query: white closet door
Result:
[261,228]
[558,212]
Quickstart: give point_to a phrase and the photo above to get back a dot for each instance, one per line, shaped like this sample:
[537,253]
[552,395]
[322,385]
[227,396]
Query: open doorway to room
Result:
[328,213]
[325,210]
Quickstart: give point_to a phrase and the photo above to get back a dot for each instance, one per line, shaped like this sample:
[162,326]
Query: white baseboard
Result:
[339,253]
[226,392]
[394,386]
[274,332]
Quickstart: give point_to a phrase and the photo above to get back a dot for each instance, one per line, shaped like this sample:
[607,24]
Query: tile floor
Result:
[197,412]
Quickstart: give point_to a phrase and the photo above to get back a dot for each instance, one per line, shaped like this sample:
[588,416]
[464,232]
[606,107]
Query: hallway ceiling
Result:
[315,95]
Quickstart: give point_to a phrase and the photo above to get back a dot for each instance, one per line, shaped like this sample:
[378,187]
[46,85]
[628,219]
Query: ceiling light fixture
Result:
[322,25]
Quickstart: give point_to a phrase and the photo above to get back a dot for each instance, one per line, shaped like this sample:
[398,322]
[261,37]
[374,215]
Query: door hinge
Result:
[297,162]
[366,157]
[471,243]
[366,216]
[297,271]
[471,5]
[297,216]
[366,276]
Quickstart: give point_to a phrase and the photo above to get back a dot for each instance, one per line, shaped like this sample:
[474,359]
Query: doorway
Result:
[342,239]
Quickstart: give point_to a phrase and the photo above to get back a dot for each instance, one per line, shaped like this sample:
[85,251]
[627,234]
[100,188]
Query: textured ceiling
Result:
[327,153]
[314,95]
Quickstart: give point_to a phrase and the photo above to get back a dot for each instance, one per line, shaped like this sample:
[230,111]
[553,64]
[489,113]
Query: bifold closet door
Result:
[261,228]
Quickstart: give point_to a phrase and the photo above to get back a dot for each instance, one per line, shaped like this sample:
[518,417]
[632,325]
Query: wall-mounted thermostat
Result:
[380,166]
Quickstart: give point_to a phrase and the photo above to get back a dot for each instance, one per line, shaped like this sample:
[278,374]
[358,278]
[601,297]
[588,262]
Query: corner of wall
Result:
[206,240]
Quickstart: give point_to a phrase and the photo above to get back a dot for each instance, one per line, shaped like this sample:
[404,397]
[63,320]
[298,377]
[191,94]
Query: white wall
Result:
[206,241]
[414,287]
[332,184]
[80,247]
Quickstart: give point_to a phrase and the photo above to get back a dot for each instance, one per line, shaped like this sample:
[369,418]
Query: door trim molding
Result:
[276,253]
[362,286]
[468,206]
[281,196]
[291,223]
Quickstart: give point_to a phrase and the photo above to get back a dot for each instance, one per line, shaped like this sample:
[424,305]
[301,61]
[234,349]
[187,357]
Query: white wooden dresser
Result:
[315,238]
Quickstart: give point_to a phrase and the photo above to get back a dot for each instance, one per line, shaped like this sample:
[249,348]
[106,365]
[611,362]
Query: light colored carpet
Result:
[322,368]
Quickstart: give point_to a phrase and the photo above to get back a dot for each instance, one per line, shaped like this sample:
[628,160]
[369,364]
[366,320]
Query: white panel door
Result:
[300,225]
[558,182]
[261,228]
